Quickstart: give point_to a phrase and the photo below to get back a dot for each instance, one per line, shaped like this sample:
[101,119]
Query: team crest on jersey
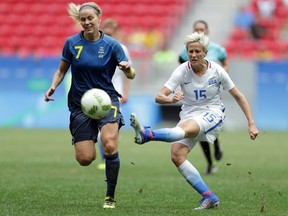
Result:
[101,52]
[212,81]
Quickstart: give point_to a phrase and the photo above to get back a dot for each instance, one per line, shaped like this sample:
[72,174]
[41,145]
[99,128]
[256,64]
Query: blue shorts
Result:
[83,127]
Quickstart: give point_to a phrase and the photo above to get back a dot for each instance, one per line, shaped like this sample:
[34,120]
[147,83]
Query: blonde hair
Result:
[197,37]
[110,26]
[74,10]
[110,23]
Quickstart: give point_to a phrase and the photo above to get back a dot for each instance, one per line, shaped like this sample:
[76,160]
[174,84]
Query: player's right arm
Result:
[57,79]
[163,96]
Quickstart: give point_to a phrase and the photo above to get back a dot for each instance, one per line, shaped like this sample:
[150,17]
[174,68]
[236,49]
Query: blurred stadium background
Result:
[32,33]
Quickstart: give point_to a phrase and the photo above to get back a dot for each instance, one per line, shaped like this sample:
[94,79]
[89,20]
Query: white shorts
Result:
[210,123]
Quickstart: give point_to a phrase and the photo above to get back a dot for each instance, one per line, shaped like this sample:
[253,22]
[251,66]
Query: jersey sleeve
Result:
[119,52]
[225,79]
[176,78]
[127,53]
[66,53]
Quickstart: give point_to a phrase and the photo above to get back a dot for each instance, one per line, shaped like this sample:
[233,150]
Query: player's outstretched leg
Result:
[141,134]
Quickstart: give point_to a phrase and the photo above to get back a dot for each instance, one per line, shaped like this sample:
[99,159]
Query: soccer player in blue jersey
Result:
[202,113]
[218,54]
[93,58]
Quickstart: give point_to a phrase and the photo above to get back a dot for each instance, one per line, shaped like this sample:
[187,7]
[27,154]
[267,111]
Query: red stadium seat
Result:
[239,34]
[271,47]
[35,26]
[18,8]
[5,7]
[282,12]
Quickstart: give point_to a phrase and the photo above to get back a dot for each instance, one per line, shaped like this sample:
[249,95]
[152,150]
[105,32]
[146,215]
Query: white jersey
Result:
[200,93]
[118,76]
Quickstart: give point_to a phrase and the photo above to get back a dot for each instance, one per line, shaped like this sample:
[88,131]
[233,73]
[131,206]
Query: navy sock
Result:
[112,171]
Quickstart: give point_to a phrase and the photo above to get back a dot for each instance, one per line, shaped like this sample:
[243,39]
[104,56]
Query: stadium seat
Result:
[36,26]
[4,7]
[239,34]
[271,46]
[18,8]
[282,12]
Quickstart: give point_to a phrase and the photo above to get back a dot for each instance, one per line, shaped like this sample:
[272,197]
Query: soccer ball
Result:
[95,103]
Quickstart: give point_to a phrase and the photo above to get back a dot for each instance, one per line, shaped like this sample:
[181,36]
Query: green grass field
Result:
[39,176]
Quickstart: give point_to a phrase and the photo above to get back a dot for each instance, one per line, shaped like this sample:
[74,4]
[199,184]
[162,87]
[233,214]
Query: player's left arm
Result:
[243,103]
[125,90]
[124,63]
[127,69]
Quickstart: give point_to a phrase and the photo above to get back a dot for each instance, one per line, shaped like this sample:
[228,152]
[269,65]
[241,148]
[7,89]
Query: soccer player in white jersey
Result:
[218,54]
[202,113]
[120,81]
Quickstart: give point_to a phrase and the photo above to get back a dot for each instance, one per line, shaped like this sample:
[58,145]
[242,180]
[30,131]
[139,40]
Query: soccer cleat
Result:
[109,203]
[208,202]
[142,135]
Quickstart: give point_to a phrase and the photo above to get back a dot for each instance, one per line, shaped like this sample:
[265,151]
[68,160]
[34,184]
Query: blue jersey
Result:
[92,65]
[215,53]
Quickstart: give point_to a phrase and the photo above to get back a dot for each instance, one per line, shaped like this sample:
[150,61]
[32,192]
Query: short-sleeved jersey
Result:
[92,65]
[200,93]
[215,53]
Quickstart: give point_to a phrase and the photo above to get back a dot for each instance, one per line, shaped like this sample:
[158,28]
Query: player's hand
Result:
[124,65]
[124,100]
[253,131]
[127,69]
[48,94]
[177,97]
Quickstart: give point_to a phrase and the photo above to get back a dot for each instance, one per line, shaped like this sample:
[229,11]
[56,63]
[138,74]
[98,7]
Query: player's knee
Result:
[177,159]
[110,148]
[85,160]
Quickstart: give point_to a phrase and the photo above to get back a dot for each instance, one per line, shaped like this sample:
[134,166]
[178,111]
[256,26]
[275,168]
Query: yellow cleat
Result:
[109,203]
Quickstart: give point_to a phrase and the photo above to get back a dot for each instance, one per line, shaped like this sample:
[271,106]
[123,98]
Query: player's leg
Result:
[109,137]
[84,133]
[85,152]
[218,152]
[179,153]
[207,153]
[189,128]
[109,127]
